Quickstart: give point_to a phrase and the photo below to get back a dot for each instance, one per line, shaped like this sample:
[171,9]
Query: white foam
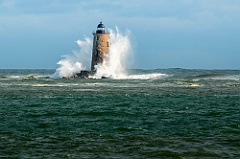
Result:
[40,85]
[21,77]
[232,78]
[142,76]
[15,77]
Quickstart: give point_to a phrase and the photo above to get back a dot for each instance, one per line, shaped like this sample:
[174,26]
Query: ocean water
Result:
[163,113]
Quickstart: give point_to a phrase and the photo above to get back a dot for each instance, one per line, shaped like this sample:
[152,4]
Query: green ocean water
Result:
[164,113]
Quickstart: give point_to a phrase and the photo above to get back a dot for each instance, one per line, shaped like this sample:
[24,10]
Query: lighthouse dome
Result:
[101,25]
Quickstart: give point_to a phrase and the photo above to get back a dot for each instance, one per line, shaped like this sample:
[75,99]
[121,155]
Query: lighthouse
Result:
[99,51]
[100,45]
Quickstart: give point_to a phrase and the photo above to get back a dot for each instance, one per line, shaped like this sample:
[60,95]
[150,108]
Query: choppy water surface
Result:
[171,113]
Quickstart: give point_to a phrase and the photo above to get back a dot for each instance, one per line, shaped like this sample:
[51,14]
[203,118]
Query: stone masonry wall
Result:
[100,48]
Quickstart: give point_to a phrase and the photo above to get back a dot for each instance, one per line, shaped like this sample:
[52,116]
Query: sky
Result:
[191,34]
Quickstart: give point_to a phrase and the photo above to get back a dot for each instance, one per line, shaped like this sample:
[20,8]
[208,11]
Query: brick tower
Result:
[100,45]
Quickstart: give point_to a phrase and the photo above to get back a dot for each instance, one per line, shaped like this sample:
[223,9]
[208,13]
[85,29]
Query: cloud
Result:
[37,7]
[163,14]
[7,4]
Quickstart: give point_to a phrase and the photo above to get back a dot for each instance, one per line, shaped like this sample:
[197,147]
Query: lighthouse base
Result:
[84,74]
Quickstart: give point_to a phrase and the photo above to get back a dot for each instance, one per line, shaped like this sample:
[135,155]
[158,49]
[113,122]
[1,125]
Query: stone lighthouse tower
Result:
[100,45]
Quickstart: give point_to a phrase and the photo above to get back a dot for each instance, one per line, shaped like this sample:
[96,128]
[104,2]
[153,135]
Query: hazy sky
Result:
[199,34]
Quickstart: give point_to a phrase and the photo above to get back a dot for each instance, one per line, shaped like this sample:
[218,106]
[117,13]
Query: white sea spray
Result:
[77,61]
[119,56]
